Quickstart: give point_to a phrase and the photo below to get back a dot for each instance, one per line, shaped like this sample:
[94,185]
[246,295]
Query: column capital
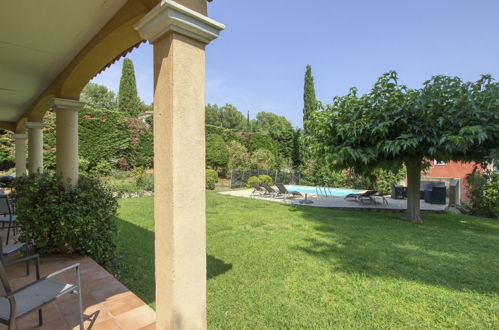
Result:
[35,124]
[57,103]
[170,16]
[20,136]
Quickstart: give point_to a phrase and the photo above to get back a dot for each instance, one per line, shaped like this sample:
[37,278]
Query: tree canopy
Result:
[270,122]
[226,116]
[98,97]
[447,119]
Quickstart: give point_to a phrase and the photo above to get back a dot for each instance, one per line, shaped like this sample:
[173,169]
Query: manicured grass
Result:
[277,266]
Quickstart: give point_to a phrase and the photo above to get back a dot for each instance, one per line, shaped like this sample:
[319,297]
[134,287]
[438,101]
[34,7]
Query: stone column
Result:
[20,143]
[179,36]
[35,146]
[66,112]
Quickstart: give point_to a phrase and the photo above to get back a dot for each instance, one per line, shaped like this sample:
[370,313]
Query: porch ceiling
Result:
[38,40]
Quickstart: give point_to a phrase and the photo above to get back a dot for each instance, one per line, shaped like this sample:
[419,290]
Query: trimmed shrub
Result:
[252,179]
[483,192]
[211,179]
[265,179]
[217,154]
[66,219]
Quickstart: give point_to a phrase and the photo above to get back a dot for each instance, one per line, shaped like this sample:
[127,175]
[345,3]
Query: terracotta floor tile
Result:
[107,325]
[122,305]
[151,326]
[136,318]
[110,293]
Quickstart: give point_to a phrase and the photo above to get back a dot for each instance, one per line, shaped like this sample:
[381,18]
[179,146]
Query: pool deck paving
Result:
[338,202]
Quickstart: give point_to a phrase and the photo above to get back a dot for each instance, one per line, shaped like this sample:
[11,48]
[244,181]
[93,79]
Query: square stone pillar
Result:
[20,149]
[66,128]
[179,36]
[35,146]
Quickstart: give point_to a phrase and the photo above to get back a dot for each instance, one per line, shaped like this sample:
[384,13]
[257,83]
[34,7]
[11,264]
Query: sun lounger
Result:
[257,189]
[270,191]
[286,192]
[362,196]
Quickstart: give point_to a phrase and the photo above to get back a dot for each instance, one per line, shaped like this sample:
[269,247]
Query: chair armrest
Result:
[76,266]
[27,259]
[11,294]
[34,256]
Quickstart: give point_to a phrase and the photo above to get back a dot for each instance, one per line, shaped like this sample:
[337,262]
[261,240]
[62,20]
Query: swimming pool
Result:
[329,191]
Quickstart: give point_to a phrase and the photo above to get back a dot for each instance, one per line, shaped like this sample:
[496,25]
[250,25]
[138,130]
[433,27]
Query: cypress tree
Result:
[309,100]
[248,123]
[128,101]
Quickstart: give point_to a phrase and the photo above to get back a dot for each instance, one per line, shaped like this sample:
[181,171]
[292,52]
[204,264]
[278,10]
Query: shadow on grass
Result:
[451,251]
[135,261]
[215,267]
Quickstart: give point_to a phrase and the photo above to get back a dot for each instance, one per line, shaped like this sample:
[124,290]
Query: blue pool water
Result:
[329,191]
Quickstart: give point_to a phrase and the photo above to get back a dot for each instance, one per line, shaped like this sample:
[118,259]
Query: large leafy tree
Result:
[98,97]
[309,100]
[226,116]
[270,122]
[447,119]
[128,101]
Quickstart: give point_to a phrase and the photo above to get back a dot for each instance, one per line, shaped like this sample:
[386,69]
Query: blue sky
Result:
[259,61]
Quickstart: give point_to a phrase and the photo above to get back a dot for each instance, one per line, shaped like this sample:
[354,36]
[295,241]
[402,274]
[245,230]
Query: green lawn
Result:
[277,266]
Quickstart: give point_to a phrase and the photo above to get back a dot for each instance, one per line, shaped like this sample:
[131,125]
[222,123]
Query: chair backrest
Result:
[4,205]
[268,188]
[281,188]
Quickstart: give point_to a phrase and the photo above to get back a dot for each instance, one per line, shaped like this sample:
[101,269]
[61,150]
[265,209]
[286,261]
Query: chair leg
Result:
[27,262]
[80,303]
[40,317]
[8,234]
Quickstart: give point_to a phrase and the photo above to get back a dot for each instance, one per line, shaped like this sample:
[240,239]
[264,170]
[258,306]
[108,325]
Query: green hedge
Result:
[103,135]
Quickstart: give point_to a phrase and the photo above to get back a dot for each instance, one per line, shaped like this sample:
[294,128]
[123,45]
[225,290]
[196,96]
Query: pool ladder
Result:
[323,191]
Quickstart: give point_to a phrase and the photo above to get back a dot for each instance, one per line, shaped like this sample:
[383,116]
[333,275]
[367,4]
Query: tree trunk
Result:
[413,185]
